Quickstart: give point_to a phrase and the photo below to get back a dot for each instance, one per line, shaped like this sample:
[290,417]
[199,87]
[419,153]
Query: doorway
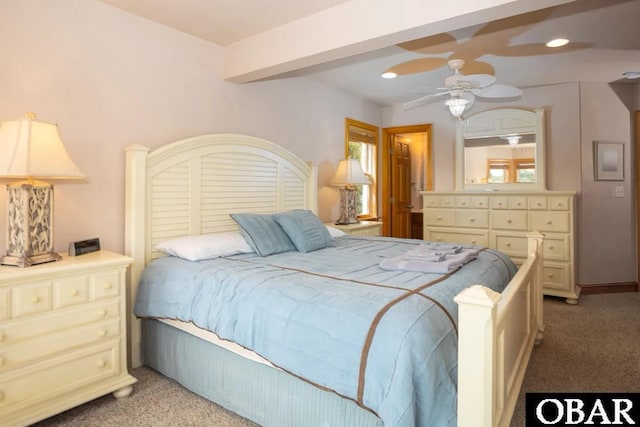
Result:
[406,171]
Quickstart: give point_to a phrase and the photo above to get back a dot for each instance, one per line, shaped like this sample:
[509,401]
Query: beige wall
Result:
[577,114]
[110,79]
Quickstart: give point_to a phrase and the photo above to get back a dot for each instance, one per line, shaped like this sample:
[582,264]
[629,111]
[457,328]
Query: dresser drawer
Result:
[557,276]
[439,217]
[513,245]
[22,388]
[517,202]
[469,237]
[509,220]
[559,203]
[549,221]
[538,203]
[472,218]
[431,202]
[30,351]
[556,247]
[20,330]
[472,202]
[447,202]
[500,202]
[31,299]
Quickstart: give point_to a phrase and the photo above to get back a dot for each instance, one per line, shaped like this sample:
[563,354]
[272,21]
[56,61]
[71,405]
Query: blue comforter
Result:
[386,339]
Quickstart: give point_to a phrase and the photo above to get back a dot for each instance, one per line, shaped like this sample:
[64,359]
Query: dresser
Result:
[62,335]
[363,228]
[501,220]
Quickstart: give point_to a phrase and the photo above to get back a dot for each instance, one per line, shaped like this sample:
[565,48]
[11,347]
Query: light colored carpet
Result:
[594,346]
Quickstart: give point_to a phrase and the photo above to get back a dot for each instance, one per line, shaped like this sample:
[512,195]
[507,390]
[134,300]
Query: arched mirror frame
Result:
[501,122]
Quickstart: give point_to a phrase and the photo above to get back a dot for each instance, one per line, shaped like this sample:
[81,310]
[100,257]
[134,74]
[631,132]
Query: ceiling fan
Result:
[462,90]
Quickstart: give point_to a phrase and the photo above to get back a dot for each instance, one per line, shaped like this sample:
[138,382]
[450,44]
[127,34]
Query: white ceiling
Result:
[609,28]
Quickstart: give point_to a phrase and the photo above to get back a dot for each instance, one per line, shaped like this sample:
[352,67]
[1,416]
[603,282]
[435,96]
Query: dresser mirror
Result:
[501,149]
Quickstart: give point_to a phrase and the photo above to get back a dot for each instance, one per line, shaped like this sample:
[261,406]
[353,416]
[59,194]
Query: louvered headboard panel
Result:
[191,186]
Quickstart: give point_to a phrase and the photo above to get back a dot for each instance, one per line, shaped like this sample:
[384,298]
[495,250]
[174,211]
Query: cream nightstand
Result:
[62,335]
[363,228]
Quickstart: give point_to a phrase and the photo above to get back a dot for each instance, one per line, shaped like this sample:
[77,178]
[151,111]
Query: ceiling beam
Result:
[356,27]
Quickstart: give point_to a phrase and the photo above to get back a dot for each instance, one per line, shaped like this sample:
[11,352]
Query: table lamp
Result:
[347,176]
[31,151]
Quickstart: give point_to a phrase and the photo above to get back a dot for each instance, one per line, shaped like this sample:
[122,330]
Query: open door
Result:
[400,198]
[400,189]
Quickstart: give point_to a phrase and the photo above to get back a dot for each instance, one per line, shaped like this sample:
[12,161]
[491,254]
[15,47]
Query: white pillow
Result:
[206,246]
[335,232]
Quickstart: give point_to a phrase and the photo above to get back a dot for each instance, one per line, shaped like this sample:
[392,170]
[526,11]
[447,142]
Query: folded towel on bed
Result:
[442,263]
[446,248]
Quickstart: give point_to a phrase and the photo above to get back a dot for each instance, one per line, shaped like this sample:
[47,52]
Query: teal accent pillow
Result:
[305,230]
[263,233]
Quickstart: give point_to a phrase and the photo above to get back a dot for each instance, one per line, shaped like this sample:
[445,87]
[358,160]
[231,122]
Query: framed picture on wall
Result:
[608,161]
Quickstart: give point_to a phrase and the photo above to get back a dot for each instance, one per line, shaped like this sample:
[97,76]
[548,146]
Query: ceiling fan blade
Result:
[497,91]
[417,66]
[478,67]
[423,100]
[478,81]
[437,43]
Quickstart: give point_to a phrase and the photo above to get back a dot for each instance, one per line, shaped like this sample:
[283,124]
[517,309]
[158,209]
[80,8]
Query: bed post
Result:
[312,188]
[134,240]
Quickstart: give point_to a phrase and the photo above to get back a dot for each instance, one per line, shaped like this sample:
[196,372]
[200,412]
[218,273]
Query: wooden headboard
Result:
[190,187]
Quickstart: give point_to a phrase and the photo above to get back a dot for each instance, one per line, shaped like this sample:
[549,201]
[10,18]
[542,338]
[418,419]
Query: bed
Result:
[191,188]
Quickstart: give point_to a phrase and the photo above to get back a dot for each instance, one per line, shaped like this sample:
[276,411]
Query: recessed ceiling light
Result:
[389,75]
[632,74]
[557,42]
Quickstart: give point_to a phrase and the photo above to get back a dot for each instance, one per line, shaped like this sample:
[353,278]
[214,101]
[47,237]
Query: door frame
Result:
[385,167]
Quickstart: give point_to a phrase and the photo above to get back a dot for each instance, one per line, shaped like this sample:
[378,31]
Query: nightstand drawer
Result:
[70,291]
[31,299]
[4,304]
[105,285]
[22,388]
[31,350]
[20,330]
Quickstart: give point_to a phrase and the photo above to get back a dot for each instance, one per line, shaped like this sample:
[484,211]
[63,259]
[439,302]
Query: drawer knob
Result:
[508,244]
[464,203]
[551,247]
[538,204]
[74,292]
[500,204]
[108,286]
[509,221]
[473,242]
[472,219]
[102,312]
[102,333]
[36,300]
[518,204]
[102,363]
[439,218]
[550,275]
[549,222]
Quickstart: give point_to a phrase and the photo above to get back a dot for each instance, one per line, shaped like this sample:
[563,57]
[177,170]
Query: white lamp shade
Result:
[349,172]
[31,149]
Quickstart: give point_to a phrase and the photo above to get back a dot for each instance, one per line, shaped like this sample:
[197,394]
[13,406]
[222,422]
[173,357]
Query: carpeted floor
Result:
[594,346]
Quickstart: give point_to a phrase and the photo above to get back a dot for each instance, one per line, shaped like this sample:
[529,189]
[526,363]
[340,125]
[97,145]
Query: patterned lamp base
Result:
[348,206]
[30,219]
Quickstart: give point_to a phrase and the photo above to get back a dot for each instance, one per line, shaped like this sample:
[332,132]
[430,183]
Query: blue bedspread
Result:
[387,339]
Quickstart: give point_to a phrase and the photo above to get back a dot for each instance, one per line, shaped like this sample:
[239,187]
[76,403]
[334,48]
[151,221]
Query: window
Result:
[362,144]
[525,170]
[499,171]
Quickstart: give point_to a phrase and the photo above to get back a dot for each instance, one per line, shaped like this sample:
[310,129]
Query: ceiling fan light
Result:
[512,139]
[389,75]
[557,43]
[456,106]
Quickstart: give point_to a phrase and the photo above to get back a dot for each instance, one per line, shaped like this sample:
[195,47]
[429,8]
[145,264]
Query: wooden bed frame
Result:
[191,186]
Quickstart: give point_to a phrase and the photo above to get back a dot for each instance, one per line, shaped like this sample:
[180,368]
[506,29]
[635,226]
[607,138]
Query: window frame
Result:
[375,142]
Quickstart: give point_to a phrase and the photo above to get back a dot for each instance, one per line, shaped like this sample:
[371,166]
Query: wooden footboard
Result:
[497,334]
